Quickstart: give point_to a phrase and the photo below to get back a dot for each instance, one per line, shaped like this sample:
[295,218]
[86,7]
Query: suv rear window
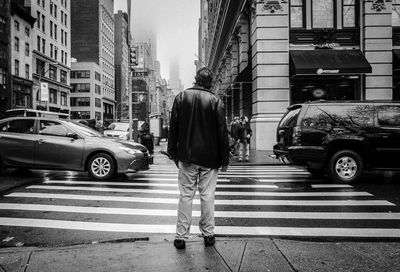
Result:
[290,118]
[389,116]
[339,115]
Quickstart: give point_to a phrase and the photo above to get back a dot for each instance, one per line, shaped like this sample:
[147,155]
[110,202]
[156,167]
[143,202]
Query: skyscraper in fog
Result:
[175,83]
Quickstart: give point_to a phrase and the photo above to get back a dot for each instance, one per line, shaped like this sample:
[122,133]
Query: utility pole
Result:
[130,71]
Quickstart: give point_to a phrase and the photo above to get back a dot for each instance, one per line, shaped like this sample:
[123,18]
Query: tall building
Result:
[121,59]
[51,44]
[94,43]
[5,56]
[271,54]
[175,83]
[22,24]
[203,34]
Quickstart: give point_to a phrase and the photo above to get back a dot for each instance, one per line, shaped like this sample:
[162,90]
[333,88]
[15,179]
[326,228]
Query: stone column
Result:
[270,69]
[377,45]
[243,37]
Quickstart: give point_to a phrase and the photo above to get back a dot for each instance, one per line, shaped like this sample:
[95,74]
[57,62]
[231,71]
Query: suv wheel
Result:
[101,166]
[316,172]
[345,166]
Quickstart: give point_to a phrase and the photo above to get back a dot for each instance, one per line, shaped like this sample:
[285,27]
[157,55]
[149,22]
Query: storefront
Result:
[21,93]
[326,74]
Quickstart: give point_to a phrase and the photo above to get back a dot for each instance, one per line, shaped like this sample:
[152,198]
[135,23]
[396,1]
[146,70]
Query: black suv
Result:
[341,138]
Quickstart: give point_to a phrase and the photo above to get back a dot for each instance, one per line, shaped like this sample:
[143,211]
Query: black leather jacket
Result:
[198,132]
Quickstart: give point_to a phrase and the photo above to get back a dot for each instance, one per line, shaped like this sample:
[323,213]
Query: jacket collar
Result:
[196,87]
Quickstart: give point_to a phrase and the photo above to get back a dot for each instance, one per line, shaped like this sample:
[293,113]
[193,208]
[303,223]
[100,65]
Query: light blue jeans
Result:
[192,176]
[244,150]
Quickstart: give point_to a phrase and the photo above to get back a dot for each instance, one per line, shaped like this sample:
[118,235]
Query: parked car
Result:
[118,130]
[341,138]
[43,143]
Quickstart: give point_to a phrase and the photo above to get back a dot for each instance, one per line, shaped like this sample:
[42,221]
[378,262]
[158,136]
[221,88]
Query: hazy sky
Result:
[176,26]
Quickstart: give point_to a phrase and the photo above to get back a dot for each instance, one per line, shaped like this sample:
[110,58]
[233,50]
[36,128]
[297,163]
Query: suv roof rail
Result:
[294,106]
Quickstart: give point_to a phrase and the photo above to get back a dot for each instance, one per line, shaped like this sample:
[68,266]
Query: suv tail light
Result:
[296,139]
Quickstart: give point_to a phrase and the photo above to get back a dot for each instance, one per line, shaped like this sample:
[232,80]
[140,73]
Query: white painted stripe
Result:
[153,184]
[271,180]
[196,213]
[233,170]
[336,186]
[222,193]
[230,202]
[219,230]
[226,174]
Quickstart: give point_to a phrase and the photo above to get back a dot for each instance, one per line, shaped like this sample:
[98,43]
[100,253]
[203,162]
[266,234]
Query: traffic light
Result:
[133,58]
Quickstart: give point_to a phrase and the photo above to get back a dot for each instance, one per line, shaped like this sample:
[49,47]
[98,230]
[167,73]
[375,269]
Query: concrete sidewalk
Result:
[228,254]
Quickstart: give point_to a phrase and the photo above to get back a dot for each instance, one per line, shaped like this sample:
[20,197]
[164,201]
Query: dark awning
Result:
[396,59]
[328,62]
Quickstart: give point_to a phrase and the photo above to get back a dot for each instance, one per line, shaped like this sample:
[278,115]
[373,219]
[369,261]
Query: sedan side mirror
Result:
[72,135]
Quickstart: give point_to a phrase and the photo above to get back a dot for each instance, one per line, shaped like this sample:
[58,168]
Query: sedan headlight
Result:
[129,150]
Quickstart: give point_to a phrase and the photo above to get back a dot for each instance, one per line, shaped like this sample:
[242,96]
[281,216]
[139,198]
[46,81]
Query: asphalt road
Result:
[65,208]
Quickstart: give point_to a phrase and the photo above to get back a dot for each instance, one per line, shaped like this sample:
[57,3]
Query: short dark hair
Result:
[204,78]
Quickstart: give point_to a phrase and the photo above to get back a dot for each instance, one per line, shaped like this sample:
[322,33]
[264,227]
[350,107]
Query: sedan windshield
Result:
[84,130]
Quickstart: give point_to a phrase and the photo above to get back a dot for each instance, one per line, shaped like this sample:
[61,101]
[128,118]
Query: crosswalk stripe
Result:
[235,170]
[231,202]
[174,185]
[176,192]
[222,230]
[196,213]
[263,180]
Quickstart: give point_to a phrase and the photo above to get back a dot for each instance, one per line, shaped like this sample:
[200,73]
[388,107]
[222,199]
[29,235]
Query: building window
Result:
[3,51]
[16,67]
[80,74]
[3,76]
[97,89]
[396,12]
[3,3]
[63,76]
[80,102]
[65,19]
[55,11]
[43,24]
[97,102]
[296,14]
[55,31]
[40,67]
[52,72]
[38,19]
[51,7]
[43,4]
[62,17]
[62,56]
[27,32]
[51,29]
[64,99]
[65,38]
[2,25]
[51,50]
[65,58]
[323,13]
[27,49]
[16,25]
[349,13]
[16,44]
[43,46]
[38,44]
[27,74]
[80,114]
[80,88]
[55,52]
[97,76]
[53,96]
[62,36]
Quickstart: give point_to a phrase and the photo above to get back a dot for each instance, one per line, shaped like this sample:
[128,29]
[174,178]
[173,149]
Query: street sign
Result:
[44,92]
[139,74]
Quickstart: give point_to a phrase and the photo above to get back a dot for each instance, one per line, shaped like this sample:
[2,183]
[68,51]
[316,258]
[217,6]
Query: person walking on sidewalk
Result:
[244,135]
[198,143]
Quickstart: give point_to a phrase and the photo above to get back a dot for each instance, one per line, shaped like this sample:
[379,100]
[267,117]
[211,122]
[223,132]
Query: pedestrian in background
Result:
[198,143]
[244,135]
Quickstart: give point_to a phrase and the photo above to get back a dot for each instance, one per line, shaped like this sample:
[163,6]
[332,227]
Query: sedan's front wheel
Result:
[345,166]
[101,166]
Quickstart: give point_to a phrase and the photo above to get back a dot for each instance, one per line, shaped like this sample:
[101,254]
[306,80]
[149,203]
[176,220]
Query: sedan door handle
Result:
[384,135]
[40,141]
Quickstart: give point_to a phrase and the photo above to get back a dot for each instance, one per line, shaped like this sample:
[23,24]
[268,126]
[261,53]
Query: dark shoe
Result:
[209,240]
[179,243]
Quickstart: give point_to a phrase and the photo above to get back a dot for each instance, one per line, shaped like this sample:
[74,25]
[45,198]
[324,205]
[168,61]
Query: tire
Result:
[345,166]
[316,172]
[101,166]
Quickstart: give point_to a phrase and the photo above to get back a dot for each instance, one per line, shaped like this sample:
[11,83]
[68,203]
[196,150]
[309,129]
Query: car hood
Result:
[115,142]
